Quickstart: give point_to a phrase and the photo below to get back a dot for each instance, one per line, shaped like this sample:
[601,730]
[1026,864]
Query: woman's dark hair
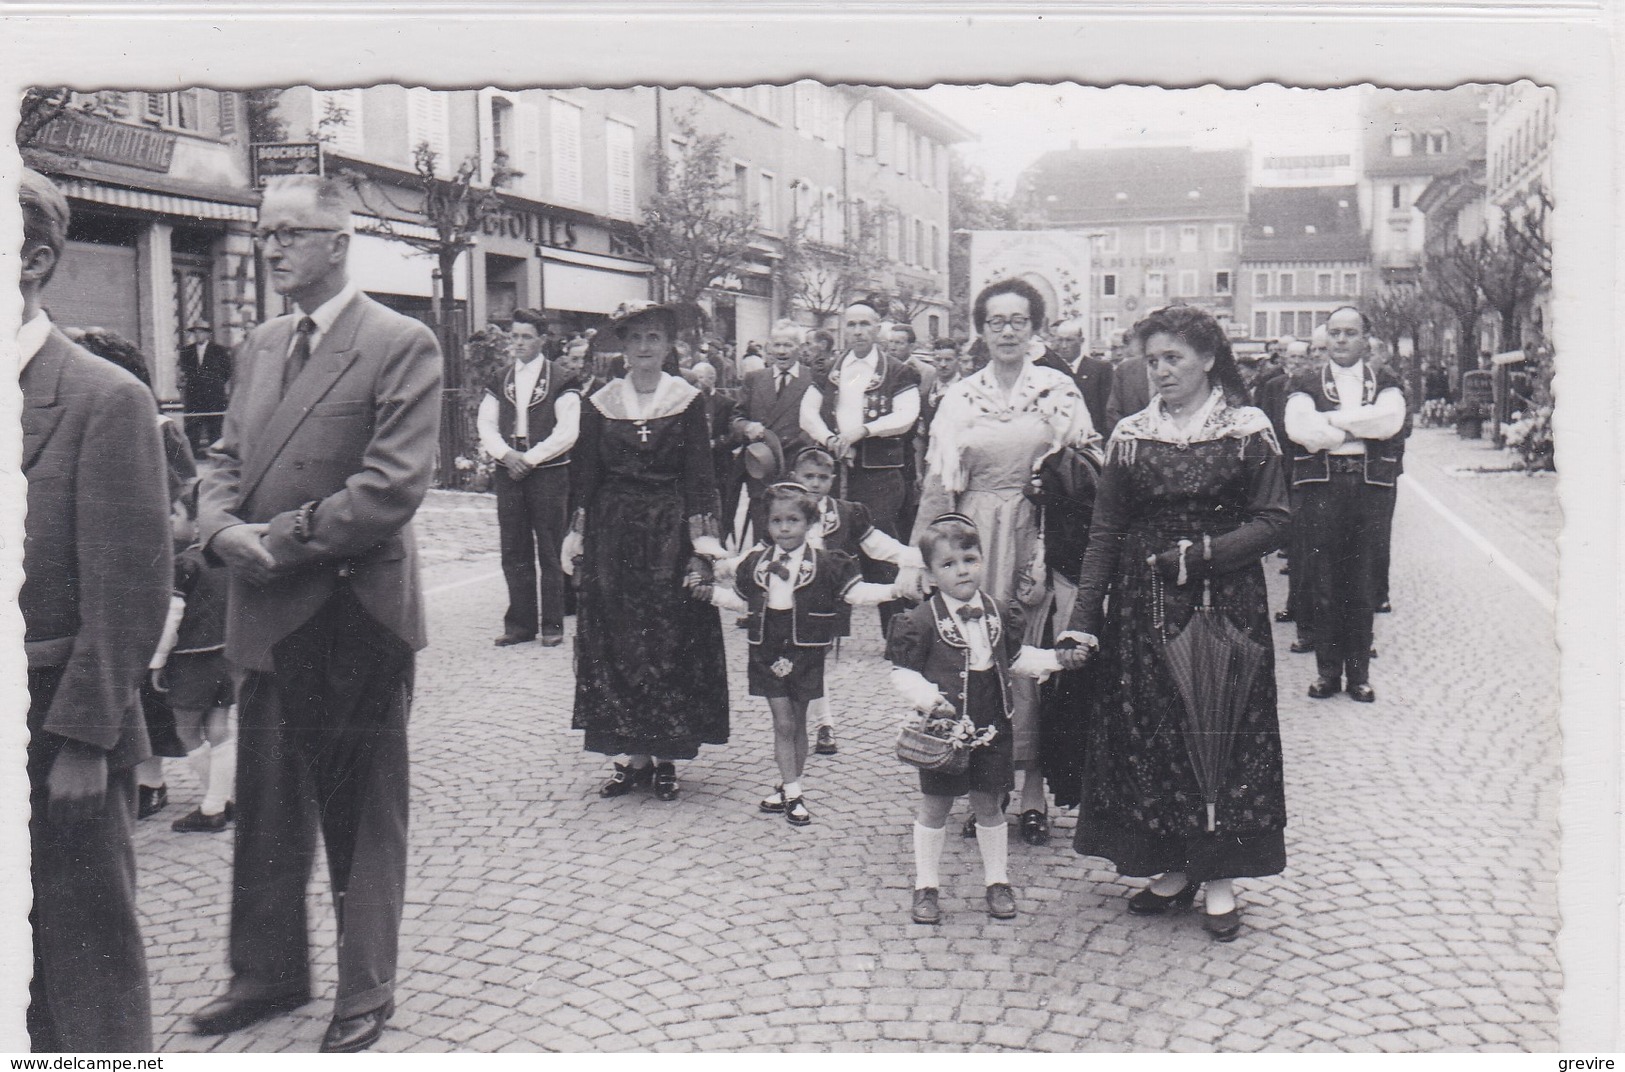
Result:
[1201,333]
[795,495]
[1035,301]
[112,347]
[951,533]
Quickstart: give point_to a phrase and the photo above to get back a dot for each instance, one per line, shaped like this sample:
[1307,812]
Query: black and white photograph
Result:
[816,562]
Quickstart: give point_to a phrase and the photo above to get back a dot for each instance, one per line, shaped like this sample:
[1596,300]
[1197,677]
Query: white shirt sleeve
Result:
[727,599]
[489,433]
[1380,420]
[920,693]
[905,411]
[567,408]
[868,594]
[883,548]
[1308,427]
[812,421]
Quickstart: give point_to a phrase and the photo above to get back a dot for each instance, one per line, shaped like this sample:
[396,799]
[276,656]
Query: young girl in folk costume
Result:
[191,662]
[847,527]
[954,656]
[792,591]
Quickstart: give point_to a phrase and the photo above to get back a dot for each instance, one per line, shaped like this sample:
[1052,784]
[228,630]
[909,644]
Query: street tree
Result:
[694,230]
[822,275]
[1453,280]
[1517,267]
[454,206]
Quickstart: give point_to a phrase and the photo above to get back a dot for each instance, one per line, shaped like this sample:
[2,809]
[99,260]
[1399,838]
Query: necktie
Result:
[970,613]
[300,353]
[784,378]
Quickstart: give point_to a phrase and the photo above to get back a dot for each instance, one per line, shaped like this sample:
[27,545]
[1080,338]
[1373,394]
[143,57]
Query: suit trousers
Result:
[1298,583]
[533,516]
[322,744]
[203,431]
[1344,527]
[883,492]
[89,990]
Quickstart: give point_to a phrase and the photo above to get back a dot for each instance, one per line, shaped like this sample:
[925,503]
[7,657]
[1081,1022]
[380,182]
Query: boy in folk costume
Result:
[791,591]
[954,655]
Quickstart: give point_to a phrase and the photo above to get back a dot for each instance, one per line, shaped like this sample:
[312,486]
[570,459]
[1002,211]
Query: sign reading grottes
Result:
[285,158]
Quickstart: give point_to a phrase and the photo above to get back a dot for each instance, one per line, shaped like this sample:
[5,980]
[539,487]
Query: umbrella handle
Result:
[1212,809]
[1207,580]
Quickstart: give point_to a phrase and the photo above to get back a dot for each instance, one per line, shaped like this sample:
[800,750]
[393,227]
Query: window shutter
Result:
[619,167]
[883,137]
[565,124]
[157,108]
[527,152]
[346,137]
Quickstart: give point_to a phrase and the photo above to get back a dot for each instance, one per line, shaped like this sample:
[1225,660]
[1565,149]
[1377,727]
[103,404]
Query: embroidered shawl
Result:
[1217,419]
[978,398]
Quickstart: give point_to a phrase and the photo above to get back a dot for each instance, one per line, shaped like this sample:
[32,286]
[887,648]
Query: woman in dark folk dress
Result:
[650,678]
[1196,463]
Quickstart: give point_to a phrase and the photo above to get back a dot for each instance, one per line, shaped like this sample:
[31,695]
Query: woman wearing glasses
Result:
[990,434]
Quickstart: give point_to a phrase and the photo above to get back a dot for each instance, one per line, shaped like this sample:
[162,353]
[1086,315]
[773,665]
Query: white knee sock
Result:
[149,773]
[198,759]
[222,785]
[818,711]
[994,842]
[927,856]
[792,790]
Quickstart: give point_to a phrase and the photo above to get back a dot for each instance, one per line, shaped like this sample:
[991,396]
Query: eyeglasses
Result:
[999,323]
[285,235]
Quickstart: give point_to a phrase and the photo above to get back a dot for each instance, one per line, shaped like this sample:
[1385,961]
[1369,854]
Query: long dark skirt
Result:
[1142,806]
[650,672]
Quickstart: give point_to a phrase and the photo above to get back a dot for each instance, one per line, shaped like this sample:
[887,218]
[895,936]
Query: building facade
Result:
[162,218]
[1410,138]
[1166,224]
[1303,254]
[1518,167]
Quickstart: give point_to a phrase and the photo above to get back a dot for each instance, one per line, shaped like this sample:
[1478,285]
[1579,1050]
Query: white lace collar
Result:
[619,400]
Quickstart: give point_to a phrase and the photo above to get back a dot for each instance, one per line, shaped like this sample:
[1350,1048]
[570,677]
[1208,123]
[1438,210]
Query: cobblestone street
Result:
[1418,911]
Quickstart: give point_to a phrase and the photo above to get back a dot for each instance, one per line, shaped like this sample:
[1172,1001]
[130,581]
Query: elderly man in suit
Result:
[1092,375]
[770,401]
[205,382]
[328,449]
[1131,384]
[97,575]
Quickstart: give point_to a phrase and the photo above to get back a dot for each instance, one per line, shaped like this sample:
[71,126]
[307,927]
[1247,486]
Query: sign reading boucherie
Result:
[285,158]
[95,138]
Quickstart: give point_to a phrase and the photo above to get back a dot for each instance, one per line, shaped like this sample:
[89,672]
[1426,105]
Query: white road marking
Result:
[464,583]
[1477,539]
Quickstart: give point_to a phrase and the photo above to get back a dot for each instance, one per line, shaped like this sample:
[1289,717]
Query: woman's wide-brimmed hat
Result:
[764,459]
[677,316]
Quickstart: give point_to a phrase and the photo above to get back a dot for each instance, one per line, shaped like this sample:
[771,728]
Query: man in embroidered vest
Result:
[531,441]
[1348,421]
[96,581]
[328,449]
[863,412]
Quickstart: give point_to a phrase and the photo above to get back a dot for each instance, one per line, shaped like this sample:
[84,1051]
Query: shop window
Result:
[1108,285]
[1156,285]
[1221,282]
[1189,242]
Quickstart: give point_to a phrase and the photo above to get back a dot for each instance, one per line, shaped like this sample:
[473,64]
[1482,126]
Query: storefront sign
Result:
[533,227]
[1137,262]
[102,139]
[286,158]
[752,284]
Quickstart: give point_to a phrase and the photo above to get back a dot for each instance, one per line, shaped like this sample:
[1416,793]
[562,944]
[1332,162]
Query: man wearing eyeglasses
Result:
[328,448]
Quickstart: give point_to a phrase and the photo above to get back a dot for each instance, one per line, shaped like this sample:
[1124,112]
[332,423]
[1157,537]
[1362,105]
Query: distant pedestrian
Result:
[205,368]
[531,442]
[1348,420]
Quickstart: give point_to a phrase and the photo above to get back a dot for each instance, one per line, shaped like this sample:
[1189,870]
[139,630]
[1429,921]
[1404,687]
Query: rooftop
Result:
[1089,186]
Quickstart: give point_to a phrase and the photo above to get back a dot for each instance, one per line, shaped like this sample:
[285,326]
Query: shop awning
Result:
[162,204]
[587,290]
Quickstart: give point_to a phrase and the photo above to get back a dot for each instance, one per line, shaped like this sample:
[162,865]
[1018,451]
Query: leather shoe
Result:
[926,910]
[1147,903]
[1283,616]
[625,779]
[826,741]
[1224,927]
[665,781]
[150,800]
[1385,607]
[1302,647]
[508,640]
[196,822]
[1001,901]
[356,1033]
[1363,693]
[552,640]
[1322,688]
[1034,827]
[226,1013]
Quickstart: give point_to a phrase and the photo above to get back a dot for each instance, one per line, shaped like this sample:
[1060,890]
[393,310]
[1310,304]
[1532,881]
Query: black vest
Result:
[890,380]
[543,417]
[1383,457]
